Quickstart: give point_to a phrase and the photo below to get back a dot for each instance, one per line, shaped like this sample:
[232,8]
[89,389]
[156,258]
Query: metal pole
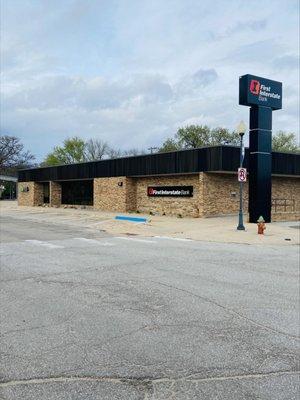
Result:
[241,223]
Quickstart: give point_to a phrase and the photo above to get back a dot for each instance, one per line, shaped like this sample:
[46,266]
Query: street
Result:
[88,315]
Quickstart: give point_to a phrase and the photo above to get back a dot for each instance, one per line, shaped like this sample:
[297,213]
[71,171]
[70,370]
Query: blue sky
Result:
[131,72]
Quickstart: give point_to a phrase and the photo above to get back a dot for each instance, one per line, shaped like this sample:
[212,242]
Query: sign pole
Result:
[260,163]
[240,226]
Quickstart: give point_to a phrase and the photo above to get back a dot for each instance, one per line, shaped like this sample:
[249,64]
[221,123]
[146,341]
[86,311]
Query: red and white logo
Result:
[254,86]
[242,175]
[150,191]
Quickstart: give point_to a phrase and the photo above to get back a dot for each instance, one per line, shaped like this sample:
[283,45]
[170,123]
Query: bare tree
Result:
[13,155]
[117,153]
[133,152]
[114,153]
[96,149]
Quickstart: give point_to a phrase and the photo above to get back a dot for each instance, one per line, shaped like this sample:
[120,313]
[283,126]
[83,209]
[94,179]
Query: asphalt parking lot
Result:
[88,315]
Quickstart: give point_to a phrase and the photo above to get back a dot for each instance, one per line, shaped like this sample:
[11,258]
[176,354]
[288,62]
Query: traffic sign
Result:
[242,175]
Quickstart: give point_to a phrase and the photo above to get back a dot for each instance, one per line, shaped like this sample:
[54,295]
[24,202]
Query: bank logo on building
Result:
[170,191]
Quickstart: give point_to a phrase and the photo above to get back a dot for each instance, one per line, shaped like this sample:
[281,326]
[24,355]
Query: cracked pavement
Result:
[86,315]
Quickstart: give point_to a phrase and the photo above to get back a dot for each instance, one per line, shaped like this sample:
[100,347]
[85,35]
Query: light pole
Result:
[241,129]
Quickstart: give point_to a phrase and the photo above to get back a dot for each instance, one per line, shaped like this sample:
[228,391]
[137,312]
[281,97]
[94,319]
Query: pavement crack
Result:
[230,311]
[142,381]
[44,326]
[50,274]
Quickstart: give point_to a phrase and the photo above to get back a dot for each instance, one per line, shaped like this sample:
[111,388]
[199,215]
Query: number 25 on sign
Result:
[242,174]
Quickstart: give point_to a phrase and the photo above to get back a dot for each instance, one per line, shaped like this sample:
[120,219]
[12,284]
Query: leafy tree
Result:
[72,151]
[77,150]
[193,136]
[95,149]
[12,155]
[169,145]
[223,136]
[284,141]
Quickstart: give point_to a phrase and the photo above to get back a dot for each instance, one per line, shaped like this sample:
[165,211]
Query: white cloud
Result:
[133,72]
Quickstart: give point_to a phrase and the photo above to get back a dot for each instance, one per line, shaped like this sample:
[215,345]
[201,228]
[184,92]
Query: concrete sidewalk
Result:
[217,229]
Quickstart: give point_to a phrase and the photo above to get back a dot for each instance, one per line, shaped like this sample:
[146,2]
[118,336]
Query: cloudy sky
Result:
[132,71]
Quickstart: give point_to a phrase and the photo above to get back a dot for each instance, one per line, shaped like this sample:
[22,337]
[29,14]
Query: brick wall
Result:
[55,194]
[33,197]
[214,194]
[286,188]
[221,194]
[186,206]
[131,201]
[110,195]
[218,199]
[286,195]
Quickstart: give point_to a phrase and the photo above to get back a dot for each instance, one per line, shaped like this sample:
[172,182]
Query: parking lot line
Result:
[135,240]
[173,238]
[94,241]
[44,244]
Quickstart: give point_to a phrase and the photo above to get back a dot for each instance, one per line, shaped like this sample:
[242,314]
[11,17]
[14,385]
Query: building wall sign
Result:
[170,191]
[254,90]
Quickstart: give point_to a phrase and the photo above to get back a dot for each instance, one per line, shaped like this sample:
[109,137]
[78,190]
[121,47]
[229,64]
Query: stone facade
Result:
[55,194]
[213,194]
[131,199]
[184,206]
[30,194]
[286,199]
[115,194]
[221,194]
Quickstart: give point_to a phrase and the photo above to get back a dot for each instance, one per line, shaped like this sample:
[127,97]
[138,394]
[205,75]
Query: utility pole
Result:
[152,148]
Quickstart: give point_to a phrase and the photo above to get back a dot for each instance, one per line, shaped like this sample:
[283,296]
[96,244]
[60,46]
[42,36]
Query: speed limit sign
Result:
[242,174]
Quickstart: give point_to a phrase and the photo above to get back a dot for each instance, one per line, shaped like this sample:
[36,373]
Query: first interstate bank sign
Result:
[170,191]
[258,91]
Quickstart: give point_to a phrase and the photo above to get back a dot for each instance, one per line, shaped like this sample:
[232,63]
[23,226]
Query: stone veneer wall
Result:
[34,196]
[131,200]
[286,189]
[185,206]
[110,196]
[55,194]
[218,188]
[214,194]
[221,194]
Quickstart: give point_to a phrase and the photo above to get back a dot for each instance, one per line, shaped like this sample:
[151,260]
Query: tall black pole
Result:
[263,96]
[260,163]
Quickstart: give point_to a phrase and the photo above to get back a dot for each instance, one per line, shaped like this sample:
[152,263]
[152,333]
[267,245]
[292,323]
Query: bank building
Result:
[188,183]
